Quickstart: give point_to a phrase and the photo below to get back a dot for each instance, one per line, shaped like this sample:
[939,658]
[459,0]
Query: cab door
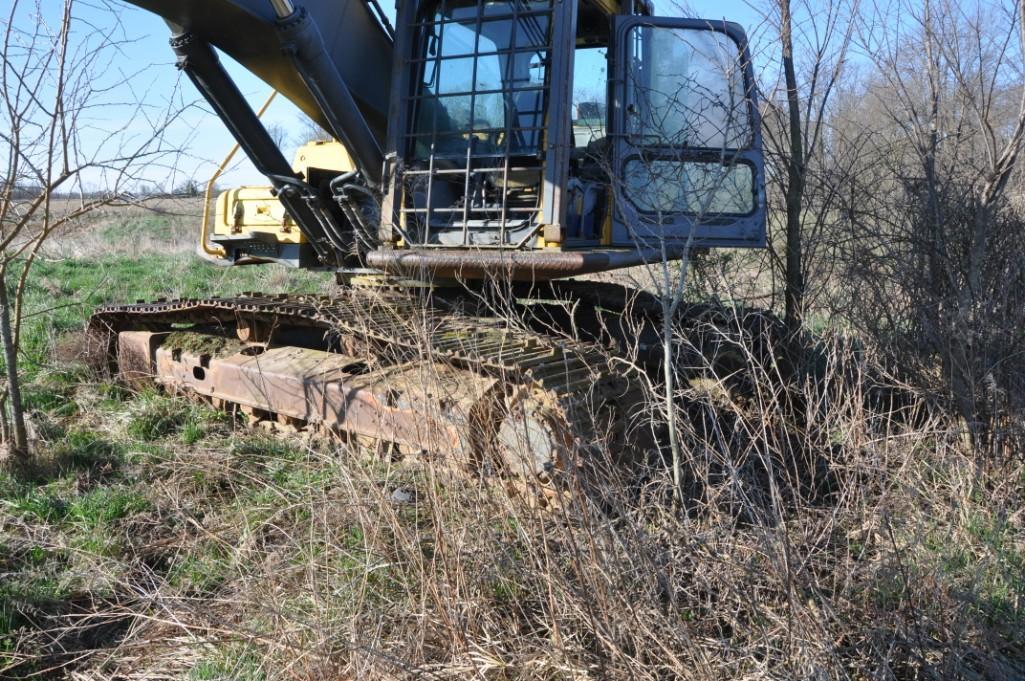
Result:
[687,149]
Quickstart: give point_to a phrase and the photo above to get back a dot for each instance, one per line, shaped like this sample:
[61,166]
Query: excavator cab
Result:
[539,127]
[529,139]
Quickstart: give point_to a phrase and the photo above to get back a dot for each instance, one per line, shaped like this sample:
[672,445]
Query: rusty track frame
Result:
[453,385]
[437,411]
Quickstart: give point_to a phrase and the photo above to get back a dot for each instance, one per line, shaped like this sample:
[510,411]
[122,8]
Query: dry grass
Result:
[834,530]
[167,226]
[836,526]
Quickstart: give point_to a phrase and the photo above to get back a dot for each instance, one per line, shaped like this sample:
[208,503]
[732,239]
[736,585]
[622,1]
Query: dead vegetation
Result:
[856,515]
[164,225]
[838,526]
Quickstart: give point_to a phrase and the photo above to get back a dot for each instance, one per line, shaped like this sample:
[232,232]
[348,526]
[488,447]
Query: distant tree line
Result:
[28,191]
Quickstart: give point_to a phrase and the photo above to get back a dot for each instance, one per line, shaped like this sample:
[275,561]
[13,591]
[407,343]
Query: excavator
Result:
[480,156]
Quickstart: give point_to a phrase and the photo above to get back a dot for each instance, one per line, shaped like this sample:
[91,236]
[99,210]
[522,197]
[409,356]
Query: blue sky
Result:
[146,56]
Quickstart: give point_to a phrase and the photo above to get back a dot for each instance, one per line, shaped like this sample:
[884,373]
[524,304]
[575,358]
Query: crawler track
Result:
[499,392]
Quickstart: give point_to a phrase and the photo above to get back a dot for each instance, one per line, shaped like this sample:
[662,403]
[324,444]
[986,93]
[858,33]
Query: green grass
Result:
[87,486]
[61,295]
[53,391]
[191,433]
[61,502]
[201,570]
[976,553]
[155,416]
[231,663]
[85,450]
[105,505]
[98,476]
[151,225]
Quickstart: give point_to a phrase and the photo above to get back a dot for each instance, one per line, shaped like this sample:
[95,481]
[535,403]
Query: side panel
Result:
[254,212]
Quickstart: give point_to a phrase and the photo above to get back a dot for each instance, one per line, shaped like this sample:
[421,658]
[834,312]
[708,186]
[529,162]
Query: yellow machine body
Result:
[254,211]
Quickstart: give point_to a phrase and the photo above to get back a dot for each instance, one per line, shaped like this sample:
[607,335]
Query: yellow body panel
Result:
[248,210]
[245,210]
[322,155]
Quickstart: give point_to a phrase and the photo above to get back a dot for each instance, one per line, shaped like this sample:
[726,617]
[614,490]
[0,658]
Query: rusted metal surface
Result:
[458,385]
[431,408]
[438,377]
[135,353]
[517,265]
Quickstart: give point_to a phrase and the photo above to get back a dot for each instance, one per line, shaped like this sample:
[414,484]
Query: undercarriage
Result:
[484,380]
[416,372]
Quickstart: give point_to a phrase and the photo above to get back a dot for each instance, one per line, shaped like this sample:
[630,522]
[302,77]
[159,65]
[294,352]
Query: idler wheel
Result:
[534,439]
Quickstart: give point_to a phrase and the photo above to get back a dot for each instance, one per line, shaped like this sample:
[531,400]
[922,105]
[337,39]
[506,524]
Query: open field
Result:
[161,539]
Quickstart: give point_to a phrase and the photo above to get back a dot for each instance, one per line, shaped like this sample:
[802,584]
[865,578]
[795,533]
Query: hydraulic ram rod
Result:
[302,41]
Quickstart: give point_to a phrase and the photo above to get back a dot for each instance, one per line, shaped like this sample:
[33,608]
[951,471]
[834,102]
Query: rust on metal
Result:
[423,408]
[516,265]
[431,379]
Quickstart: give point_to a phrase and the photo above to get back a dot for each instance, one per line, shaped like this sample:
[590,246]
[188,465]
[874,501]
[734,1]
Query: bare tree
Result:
[704,105]
[935,246]
[53,78]
[308,130]
[795,175]
[804,167]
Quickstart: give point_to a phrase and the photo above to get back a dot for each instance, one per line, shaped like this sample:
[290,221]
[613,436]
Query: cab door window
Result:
[688,113]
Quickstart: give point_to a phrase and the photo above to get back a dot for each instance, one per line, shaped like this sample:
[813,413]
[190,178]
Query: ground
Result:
[158,538]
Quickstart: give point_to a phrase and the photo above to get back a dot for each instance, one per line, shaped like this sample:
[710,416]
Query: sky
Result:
[145,58]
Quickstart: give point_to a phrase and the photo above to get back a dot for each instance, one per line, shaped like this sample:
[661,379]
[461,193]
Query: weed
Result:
[156,417]
[7,621]
[192,433]
[201,570]
[105,505]
[201,343]
[262,448]
[506,592]
[40,505]
[84,450]
[114,393]
[53,391]
[237,663]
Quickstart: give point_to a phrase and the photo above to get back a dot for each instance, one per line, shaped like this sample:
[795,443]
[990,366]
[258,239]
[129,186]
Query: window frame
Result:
[433,15]
[646,156]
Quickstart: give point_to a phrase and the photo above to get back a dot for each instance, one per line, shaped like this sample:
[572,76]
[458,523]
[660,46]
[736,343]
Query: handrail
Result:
[218,251]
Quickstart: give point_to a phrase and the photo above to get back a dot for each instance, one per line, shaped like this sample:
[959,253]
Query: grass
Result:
[154,417]
[160,539]
[201,571]
[62,293]
[136,227]
[283,558]
[240,663]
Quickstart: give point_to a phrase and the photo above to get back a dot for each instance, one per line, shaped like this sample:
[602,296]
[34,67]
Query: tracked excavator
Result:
[480,157]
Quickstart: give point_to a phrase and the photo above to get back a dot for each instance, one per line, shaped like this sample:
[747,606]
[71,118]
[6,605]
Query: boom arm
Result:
[332,58]
[247,30]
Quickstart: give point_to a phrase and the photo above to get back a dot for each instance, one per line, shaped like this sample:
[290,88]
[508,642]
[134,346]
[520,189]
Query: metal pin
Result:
[283,8]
